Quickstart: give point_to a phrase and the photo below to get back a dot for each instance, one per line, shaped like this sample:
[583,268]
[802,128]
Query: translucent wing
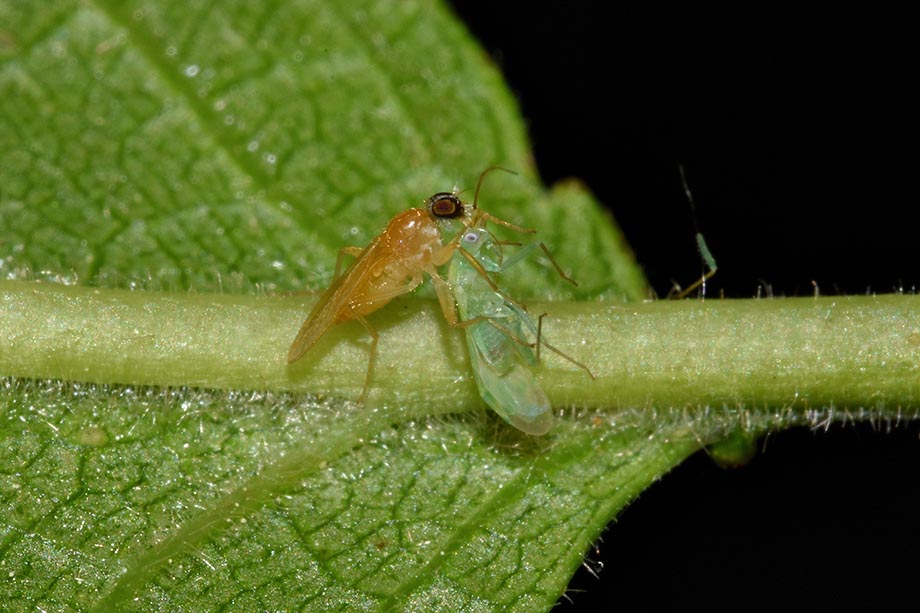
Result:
[500,356]
[391,265]
[332,304]
[513,393]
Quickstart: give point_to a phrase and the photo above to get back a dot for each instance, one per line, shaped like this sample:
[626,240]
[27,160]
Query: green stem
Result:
[861,351]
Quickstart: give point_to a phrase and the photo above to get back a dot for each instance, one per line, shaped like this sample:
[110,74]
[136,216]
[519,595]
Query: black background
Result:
[797,133]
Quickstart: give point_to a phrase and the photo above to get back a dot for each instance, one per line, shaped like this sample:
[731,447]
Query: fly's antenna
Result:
[483,176]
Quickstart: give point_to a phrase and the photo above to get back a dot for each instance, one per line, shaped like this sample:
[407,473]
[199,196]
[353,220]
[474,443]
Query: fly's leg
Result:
[442,256]
[565,356]
[520,254]
[510,334]
[373,357]
[414,282]
[352,251]
[506,224]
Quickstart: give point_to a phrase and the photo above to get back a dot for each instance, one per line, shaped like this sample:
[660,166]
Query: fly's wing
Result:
[377,275]
[333,304]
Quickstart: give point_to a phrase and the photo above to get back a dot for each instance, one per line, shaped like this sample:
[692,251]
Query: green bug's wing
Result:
[501,364]
[514,394]
[522,324]
[499,354]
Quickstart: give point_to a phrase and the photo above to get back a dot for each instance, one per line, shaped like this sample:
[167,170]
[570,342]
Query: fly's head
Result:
[446,205]
[449,212]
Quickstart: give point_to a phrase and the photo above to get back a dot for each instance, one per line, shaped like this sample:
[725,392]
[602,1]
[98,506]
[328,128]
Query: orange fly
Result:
[393,264]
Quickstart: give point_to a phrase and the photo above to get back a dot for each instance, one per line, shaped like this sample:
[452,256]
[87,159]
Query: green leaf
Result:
[156,453]
[178,147]
[238,148]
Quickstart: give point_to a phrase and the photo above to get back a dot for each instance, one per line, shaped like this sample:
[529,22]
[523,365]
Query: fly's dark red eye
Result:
[445,206]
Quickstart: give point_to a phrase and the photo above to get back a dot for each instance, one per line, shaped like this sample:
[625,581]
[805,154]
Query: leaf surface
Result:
[235,148]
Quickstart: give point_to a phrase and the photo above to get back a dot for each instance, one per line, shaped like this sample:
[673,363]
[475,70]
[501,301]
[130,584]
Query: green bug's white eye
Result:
[471,237]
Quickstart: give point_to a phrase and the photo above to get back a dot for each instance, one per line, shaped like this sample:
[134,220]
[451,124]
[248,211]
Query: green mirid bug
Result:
[502,338]
[500,355]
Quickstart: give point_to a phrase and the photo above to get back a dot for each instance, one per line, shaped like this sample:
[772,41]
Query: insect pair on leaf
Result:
[419,241]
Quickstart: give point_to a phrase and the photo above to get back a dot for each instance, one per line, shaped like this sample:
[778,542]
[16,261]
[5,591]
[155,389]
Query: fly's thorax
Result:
[412,236]
[409,223]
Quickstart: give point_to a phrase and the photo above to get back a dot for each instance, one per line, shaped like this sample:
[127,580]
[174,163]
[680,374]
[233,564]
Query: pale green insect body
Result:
[500,346]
